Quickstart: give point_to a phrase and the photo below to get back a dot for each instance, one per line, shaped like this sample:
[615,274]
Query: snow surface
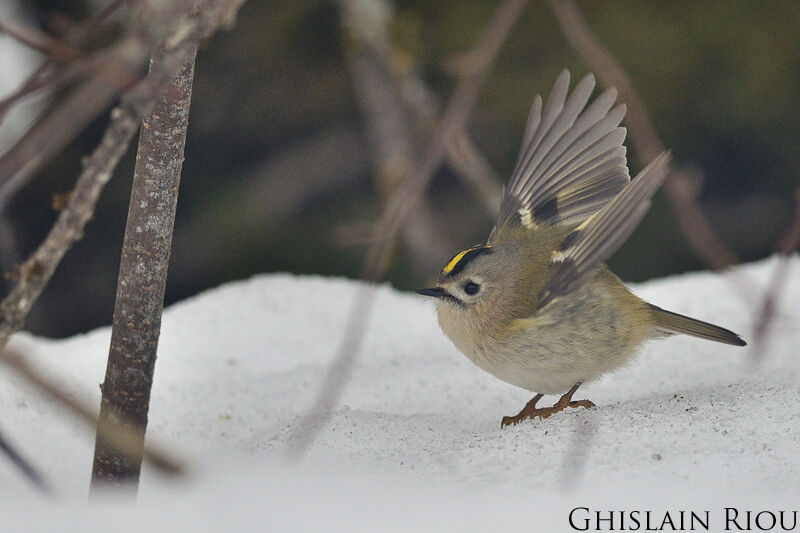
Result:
[416,441]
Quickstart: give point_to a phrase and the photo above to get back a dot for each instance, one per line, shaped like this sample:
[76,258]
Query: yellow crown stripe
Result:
[454,261]
[457,259]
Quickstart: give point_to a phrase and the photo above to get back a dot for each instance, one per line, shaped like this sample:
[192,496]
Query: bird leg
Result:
[531,411]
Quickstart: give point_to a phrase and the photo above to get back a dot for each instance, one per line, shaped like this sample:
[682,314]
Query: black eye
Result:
[471,288]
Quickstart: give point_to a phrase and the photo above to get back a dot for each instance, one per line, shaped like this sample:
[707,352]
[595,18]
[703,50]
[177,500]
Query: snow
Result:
[416,441]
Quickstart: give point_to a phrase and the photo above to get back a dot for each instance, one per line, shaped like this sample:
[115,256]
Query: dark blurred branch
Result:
[681,189]
[23,465]
[462,154]
[464,157]
[405,201]
[788,243]
[400,207]
[41,42]
[405,86]
[123,439]
[81,33]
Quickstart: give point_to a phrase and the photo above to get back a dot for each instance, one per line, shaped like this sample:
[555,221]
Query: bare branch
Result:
[182,26]
[403,204]
[123,438]
[37,270]
[680,188]
[397,211]
[47,76]
[142,279]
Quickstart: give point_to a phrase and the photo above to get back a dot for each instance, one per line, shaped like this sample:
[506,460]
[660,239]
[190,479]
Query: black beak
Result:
[436,292]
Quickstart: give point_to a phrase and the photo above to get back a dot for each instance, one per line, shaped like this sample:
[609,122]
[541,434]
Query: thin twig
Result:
[39,41]
[680,188]
[383,92]
[397,211]
[62,124]
[55,78]
[23,465]
[54,75]
[123,438]
[467,161]
[405,201]
[408,86]
[50,134]
[388,128]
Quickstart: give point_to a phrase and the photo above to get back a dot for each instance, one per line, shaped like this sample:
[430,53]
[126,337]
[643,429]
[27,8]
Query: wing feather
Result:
[572,144]
[603,233]
[566,118]
[565,144]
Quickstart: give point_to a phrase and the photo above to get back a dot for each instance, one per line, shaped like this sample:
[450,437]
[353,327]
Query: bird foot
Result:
[531,411]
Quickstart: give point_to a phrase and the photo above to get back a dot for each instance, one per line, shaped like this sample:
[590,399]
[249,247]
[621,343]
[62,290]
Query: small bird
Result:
[535,306]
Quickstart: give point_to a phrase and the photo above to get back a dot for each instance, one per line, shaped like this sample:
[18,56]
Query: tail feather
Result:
[670,322]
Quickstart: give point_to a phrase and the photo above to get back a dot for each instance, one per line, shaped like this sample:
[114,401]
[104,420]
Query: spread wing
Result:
[599,236]
[571,162]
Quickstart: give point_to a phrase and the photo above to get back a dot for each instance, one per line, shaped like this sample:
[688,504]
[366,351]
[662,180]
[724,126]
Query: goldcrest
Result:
[535,306]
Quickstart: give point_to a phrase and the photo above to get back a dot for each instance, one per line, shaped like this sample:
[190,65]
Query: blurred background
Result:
[305,117]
